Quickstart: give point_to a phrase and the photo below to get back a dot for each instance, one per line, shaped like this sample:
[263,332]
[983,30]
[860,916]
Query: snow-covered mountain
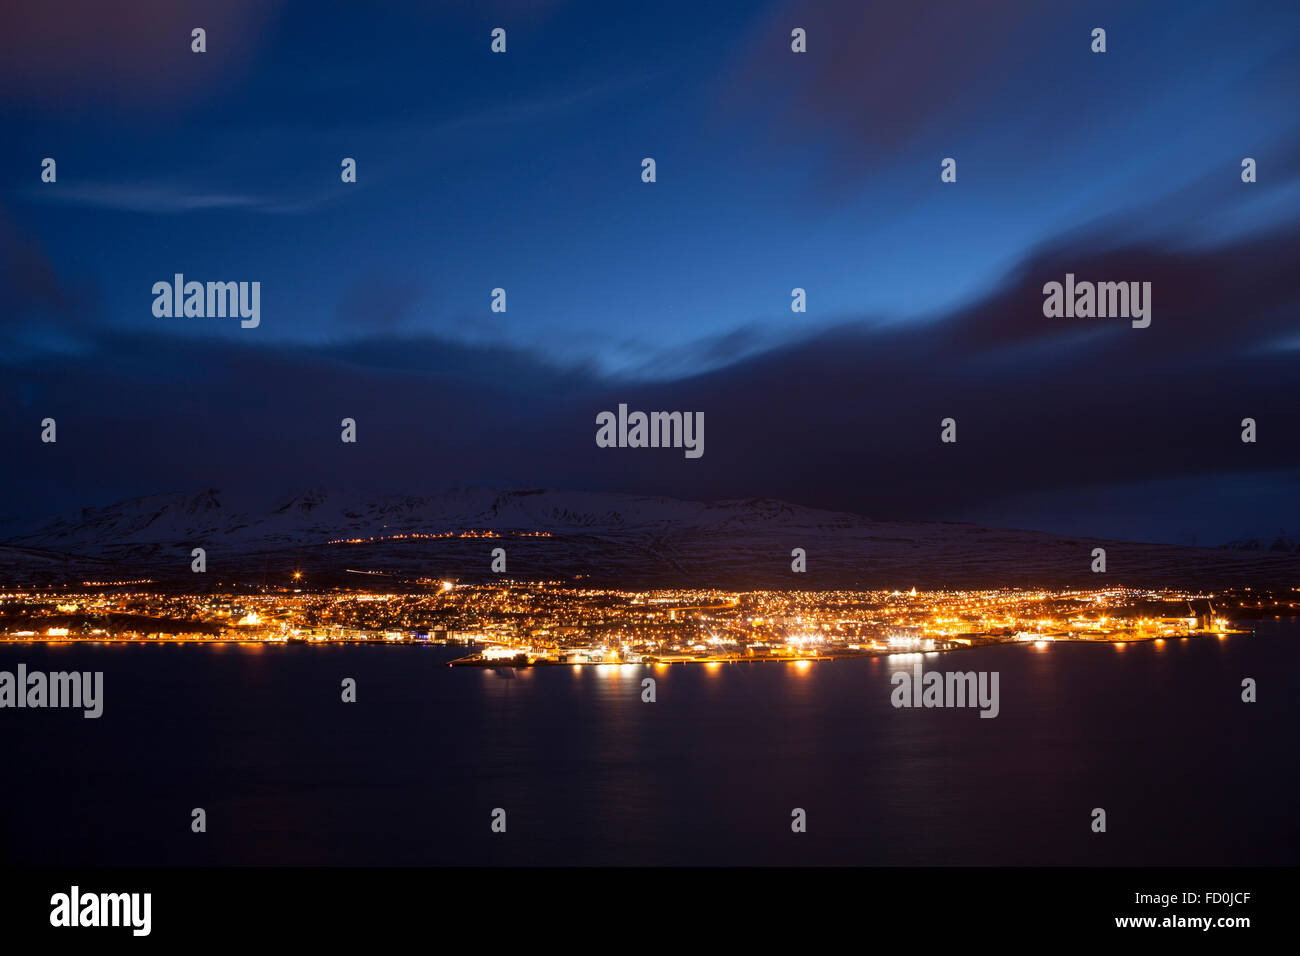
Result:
[317,517]
[598,537]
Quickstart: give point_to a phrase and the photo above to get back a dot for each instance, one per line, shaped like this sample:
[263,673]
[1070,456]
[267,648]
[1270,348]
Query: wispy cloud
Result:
[172,199]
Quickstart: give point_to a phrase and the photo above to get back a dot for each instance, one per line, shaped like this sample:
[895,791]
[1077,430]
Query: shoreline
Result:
[475,660]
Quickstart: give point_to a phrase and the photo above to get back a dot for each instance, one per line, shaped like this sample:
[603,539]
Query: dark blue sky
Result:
[775,170]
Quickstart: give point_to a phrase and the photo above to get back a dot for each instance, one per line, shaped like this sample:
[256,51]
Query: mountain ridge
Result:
[603,537]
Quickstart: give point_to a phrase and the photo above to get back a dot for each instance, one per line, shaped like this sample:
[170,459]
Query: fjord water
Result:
[1156,734]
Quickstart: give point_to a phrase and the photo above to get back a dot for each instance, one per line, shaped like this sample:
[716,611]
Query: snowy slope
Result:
[602,538]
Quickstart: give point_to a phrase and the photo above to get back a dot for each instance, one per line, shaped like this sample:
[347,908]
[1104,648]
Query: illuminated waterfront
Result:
[549,622]
[591,774]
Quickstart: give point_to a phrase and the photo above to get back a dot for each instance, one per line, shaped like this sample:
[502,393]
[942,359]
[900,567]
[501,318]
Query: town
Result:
[559,623]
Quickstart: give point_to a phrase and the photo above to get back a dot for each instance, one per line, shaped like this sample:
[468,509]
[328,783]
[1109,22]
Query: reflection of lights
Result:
[801,666]
[1040,644]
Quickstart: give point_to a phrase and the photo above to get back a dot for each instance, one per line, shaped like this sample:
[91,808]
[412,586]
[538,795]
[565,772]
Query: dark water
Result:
[587,773]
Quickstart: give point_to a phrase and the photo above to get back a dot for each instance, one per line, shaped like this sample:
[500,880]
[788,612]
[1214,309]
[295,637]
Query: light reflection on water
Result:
[707,773]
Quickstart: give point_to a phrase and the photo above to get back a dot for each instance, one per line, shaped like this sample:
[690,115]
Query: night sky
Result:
[774,170]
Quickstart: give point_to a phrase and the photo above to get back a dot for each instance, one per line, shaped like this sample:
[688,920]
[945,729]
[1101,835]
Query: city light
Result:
[550,622]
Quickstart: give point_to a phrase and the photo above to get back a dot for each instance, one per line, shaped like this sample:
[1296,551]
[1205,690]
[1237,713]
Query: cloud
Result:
[847,418]
[1012,84]
[34,294]
[698,355]
[878,74]
[170,199]
[146,198]
[135,55]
